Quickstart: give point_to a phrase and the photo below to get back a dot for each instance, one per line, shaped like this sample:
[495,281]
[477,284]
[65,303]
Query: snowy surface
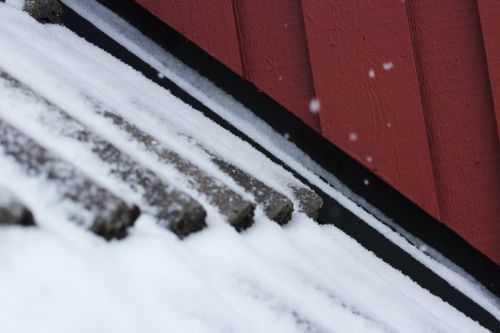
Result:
[60,278]
[236,114]
[5,197]
[19,4]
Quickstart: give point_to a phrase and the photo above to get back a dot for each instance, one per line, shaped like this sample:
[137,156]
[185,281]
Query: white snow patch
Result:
[19,4]
[6,197]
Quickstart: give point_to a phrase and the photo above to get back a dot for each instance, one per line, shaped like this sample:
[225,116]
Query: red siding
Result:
[489,11]
[460,118]
[347,40]
[274,50]
[209,24]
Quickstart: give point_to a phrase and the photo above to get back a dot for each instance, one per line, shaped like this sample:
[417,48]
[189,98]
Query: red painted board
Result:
[489,12]
[364,75]
[208,24]
[274,52]
[460,119]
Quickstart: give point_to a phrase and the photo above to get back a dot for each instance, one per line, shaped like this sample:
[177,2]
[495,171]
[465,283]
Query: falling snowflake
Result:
[366,182]
[280,78]
[287,136]
[314,105]
[371,74]
[423,247]
[388,65]
[369,159]
[389,125]
[161,76]
[353,136]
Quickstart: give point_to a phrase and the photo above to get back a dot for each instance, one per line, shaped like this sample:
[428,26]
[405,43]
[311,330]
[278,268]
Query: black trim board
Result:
[379,194]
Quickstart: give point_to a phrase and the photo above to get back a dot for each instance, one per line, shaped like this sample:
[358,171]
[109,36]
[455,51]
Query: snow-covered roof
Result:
[78,108]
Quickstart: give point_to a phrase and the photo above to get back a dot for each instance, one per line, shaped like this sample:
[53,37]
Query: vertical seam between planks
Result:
[239,39]
[487,66]
[421,90]
[309,65]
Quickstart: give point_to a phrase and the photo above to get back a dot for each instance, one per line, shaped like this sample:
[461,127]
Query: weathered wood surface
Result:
[238,211]
[90,205]
[460,118]
[12,211]
[44,11]
[276,206]
[173,209]
[309,201]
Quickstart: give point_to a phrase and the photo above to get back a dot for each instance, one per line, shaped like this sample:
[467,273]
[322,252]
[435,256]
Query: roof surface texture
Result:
[200,231]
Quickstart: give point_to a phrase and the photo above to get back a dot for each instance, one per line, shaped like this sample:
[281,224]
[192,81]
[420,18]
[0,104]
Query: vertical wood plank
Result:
[364,75]
[460,118]
[489,12]
[274,51]
[208,24]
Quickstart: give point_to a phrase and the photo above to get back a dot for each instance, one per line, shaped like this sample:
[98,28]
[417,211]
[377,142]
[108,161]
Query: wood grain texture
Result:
[489,12]
[208,24]
[460,118]
[274,50]
[371,112]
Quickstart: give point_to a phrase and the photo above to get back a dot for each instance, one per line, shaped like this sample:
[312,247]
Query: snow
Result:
[353,136]
[5,197]
[19,4]
[314,105]
[236,114]
[387,66]
[371,74]
[59,278]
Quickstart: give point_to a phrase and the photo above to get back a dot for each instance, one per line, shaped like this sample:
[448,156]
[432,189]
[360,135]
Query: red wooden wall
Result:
[370,112]
[209,23]
[411,89]
[460,117]
[274,53]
